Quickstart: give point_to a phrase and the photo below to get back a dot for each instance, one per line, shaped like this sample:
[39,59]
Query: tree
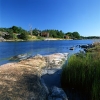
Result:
[24,36]
[10,34]
[36,32]
[73,35]
[76,35]
[60,34]
[54,33]
[15,29]
[69,34]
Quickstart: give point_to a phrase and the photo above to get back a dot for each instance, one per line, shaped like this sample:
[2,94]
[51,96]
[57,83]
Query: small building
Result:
[66,37]
[45,34]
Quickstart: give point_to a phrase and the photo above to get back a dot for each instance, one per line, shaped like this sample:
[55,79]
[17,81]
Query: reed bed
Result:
[82,72]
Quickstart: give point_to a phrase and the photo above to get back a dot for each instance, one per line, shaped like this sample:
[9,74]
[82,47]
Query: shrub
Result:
[24,36]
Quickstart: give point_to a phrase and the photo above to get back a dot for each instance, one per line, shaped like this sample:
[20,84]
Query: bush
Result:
[41,38]
[83,73]
[24,36]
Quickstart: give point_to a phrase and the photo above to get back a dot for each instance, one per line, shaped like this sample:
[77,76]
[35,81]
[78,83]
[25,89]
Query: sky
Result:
[82,16]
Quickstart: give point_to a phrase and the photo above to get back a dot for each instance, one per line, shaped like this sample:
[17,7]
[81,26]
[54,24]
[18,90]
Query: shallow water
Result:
[54,80]
[10,49]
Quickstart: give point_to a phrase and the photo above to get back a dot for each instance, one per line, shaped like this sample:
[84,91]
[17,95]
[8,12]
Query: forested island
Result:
[18,34]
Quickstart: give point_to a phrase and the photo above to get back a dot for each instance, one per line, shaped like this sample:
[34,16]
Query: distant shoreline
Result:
[34,40]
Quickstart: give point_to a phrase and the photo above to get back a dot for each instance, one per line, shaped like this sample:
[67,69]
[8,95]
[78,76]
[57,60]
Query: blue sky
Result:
[82,16]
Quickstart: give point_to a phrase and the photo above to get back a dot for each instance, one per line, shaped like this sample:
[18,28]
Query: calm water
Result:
[9,49]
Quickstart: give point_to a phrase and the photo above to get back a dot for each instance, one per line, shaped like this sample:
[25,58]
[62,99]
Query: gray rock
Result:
[43,71]
[49,71]
[2,39]
[52,71]
[44,85]
[57,94]
[56,60]
[20,57]
[38,55]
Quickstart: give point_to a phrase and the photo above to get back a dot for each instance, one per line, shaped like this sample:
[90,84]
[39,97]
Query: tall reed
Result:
[82,72]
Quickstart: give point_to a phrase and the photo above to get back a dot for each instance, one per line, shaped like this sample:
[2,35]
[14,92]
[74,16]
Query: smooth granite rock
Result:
[22,80]
[57,94]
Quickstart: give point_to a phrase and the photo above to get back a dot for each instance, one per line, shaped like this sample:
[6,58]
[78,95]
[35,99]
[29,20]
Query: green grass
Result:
[83,73]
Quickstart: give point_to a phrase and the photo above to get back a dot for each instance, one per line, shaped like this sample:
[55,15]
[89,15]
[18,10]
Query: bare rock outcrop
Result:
[54,62]
[21,81]
[2,39]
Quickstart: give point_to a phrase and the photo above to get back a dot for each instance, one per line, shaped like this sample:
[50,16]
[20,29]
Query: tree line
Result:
[90,37]
[15,32]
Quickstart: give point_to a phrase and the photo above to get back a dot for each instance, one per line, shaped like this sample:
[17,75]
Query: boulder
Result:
[57,94]
[87,46]
[72,48]
[84,46]
[56,60]
[20,57]
[2,39]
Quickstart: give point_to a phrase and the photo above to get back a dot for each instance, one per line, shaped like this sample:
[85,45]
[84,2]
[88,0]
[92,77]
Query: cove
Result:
[32,48]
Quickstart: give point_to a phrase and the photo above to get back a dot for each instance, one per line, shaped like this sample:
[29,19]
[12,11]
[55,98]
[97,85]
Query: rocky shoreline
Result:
[23,80]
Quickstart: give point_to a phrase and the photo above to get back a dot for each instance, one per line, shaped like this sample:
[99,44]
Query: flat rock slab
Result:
[21,80]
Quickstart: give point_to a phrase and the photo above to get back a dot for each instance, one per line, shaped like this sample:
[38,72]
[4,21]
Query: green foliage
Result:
[4,29]
[91,37]
[52,33]
[73,35]
[40,38]
[76,35]
[69,34]
[24,36]
[13,32]
[17,30]
[36,32]
[83,73]
[55,33]
[10,35]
